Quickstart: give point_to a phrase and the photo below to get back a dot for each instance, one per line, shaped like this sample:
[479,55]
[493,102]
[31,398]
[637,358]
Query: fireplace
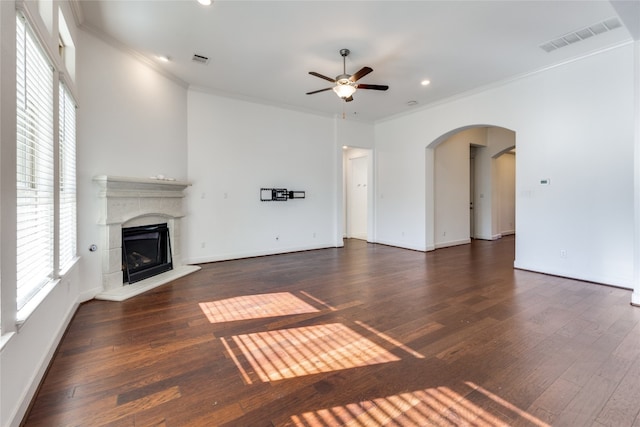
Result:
[140,205]
[146,252]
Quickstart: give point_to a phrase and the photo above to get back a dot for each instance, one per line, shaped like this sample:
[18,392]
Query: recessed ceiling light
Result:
[425,82]
[163,58]
[205,2]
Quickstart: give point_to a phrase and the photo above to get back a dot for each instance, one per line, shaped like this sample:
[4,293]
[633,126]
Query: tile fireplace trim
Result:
[125,202]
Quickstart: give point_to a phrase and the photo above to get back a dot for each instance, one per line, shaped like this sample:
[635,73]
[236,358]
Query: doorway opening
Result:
[357,183]
[473,186]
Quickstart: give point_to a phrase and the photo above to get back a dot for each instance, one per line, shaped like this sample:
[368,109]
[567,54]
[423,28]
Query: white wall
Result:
[132,121]
[25,349]
[7,154]
[401,193]
[506,189]
[581,111]
[235,148]
[354,134]
[635,297]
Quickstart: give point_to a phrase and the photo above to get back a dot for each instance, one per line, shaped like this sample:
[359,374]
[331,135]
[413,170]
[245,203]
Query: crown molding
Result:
[501,83]
[113,42]
[76,9]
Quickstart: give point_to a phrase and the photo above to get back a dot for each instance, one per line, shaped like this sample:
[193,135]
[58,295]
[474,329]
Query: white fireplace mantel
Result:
[130,202]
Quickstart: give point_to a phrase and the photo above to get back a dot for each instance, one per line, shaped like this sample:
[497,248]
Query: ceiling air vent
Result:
[581,34]
[200,59]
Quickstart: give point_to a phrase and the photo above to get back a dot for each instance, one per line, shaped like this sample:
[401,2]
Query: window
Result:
[35,166]
[46,228]
[67,179]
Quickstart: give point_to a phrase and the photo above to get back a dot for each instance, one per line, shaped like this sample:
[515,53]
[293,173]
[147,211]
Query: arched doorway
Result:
[472,186]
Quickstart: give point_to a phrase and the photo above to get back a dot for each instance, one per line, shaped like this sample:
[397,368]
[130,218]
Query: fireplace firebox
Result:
[146,252]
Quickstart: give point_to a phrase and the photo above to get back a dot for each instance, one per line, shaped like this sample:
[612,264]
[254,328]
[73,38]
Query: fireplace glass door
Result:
[146,252]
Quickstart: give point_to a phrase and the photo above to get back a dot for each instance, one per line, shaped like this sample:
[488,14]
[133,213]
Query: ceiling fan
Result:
[345,83]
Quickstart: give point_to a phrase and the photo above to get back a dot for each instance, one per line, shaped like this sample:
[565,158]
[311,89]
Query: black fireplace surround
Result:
[146,252]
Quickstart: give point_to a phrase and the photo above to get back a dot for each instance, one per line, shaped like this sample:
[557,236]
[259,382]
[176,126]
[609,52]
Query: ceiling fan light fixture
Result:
[344,90]
[345,84]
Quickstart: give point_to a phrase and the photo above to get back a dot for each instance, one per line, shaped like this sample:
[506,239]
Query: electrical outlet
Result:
[563,253]
[202,245]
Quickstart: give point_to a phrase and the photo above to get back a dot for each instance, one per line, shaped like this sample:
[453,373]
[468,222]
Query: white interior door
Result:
[357,198]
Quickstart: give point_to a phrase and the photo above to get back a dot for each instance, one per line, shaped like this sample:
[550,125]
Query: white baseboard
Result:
[88,295]
[360,236]
[403,245]
[242,255]
[453,243]
[489,237]
[609,281]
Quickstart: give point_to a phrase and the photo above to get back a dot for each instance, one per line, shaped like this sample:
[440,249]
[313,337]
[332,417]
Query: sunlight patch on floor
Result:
[508,405]
[255,307]
[439,406]
[290,353]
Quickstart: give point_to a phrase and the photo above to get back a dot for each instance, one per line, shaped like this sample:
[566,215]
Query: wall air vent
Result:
[581,34]
[200,59]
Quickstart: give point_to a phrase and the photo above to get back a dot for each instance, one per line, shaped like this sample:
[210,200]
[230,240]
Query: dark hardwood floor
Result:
[363,335]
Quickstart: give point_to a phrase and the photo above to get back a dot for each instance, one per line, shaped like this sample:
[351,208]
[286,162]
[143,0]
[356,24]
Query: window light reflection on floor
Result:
[255,307]
[438,406]
[289,353]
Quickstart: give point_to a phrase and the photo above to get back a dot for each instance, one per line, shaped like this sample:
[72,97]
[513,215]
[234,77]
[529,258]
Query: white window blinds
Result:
[67,179]
[35,166]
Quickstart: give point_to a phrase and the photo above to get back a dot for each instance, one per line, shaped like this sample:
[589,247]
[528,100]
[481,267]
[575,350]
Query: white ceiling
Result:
[263,50]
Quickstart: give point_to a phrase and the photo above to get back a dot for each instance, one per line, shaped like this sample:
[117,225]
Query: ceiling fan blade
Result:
[319,90]
[313,73]
[349,99]
[360,74]
[374,87]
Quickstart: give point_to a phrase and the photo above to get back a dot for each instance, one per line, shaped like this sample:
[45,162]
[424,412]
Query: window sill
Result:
[30,307]
[4,339]
[64,270]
